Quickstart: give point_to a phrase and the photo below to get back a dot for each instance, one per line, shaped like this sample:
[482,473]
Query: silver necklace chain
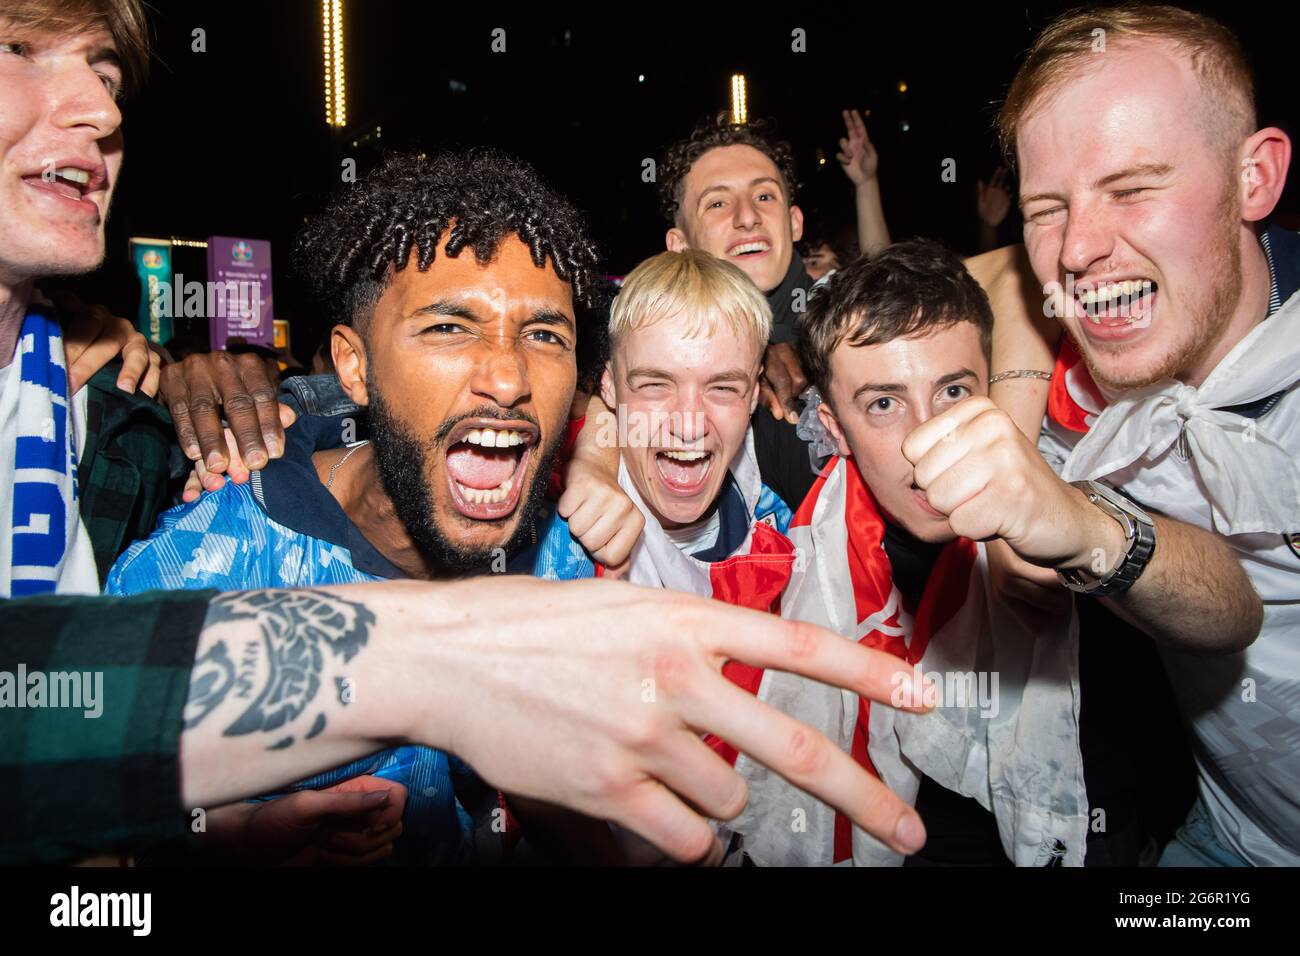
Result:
[329,482]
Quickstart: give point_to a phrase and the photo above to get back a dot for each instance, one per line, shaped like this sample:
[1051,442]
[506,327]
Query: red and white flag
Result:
[1006,730]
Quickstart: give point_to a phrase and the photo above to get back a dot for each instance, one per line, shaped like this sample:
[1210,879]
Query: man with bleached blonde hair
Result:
[687,337]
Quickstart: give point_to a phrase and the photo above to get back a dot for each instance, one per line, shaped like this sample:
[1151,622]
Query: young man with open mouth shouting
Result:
[1173,400]
[892,342]
[687,336]
[687,332]
[459,338]
[83,462]
[466,363]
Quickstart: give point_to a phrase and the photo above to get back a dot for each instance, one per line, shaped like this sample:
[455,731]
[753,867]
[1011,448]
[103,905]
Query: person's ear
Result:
[676,241]
[796,223]
[1264,159]
[350,363]
[756,390]
[827,417]
[607,386]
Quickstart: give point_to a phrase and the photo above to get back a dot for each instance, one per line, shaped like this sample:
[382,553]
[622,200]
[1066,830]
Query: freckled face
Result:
[1140,216]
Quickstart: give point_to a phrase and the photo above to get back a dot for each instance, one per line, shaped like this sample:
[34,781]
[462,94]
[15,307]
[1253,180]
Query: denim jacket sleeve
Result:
[317,395]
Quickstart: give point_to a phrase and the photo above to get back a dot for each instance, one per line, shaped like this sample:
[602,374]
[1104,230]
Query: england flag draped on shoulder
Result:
[1016,751]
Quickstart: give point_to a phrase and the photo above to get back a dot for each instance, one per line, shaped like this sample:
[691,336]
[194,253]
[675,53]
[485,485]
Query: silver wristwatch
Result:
[1139,544]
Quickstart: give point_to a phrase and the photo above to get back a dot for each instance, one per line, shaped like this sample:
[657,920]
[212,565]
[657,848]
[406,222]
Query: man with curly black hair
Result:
[453,280]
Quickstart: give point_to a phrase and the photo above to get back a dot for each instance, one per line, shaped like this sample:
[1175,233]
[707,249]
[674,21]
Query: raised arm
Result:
[1023,337]
[577,693]
[861,163]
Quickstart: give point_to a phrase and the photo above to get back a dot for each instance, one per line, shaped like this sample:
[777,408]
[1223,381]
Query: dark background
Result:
[233,140]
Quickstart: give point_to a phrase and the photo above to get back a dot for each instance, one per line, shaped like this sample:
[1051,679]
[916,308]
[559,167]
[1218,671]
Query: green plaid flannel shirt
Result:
[72,785]
[131,469]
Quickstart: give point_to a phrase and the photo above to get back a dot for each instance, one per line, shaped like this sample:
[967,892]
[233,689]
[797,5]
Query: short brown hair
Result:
[908,288]
[123,19]
[1216,55]
[714,133]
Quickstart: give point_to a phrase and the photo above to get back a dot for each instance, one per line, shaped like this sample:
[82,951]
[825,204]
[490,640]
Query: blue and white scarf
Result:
[47,548]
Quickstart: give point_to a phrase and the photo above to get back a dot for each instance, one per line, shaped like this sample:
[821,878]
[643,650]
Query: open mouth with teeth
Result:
[748,250]
[486,468]
[70,182]
[684,472]
[1118,304]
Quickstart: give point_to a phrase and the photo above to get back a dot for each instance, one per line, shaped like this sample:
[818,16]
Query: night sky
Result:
[233,140]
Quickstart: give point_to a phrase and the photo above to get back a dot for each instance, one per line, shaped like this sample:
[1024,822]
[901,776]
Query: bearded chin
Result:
[404,464]
[1205,321]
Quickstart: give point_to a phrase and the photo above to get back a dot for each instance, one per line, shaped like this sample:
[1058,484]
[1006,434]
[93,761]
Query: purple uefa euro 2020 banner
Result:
[240,272]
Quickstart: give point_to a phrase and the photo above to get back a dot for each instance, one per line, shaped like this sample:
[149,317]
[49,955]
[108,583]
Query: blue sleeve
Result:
[214,542]
[770,503]
[557,555]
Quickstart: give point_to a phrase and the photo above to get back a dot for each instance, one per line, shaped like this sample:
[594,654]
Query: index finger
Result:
[767,399]
[798,381]
[859,124]
[315,807]
[778,377]
[929,433]
[174,393]
[240,408]
[89,361]
[762,640]
[391,811]
[810,761]
[136,356]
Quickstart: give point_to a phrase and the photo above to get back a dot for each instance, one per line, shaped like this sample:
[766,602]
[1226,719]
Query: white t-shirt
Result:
[1243,709]
[693,538]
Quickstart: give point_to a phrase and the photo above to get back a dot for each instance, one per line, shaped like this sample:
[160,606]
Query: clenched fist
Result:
[979,469]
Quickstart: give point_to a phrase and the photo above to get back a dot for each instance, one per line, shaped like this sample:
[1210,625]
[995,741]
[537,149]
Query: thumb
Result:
[380,812]
[321,806]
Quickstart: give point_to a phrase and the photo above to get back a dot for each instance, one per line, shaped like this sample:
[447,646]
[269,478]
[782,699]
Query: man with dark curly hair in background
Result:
[454,281]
